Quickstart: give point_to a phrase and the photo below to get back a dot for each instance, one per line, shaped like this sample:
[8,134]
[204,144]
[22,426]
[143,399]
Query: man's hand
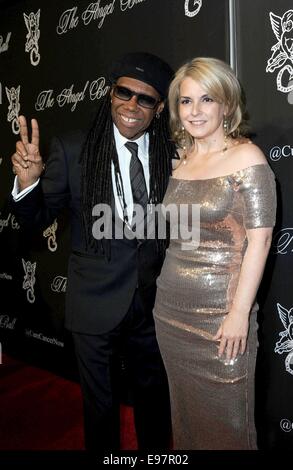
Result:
[27,162]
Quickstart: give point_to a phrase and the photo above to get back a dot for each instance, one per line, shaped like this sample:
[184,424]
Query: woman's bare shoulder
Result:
[247,154]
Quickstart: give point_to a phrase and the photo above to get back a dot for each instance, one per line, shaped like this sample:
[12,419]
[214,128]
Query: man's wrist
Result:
[18,194]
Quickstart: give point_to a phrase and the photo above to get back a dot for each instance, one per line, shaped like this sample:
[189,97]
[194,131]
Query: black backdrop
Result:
[265,62]
[60,81]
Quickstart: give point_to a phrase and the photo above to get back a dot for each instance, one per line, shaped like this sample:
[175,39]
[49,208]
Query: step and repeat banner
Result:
[265,66]
[54,58]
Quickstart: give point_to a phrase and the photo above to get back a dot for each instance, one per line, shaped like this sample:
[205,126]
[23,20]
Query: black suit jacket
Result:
[99,292]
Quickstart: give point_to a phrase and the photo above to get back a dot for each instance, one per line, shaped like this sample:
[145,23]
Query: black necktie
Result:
[137,180]
[139,190]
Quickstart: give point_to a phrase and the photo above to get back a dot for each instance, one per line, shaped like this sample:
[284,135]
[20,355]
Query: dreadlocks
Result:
[98,153]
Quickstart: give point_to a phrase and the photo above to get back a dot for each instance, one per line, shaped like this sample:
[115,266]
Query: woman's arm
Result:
[232,333]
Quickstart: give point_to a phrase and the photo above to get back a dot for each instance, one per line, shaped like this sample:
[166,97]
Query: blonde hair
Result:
[220,82]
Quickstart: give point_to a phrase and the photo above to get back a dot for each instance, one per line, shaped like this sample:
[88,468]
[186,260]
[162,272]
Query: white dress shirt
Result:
[124,157]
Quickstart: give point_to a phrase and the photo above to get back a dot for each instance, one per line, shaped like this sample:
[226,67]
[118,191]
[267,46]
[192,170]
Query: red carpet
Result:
[42,411]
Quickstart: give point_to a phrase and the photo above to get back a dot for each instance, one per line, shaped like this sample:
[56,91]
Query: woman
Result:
[205,309]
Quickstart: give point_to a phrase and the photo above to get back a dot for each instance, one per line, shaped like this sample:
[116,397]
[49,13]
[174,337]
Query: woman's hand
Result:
[27,162]
[232,335]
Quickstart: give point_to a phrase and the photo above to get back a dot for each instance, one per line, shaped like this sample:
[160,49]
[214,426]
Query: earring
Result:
[158,115]
[225,126]
[183,144]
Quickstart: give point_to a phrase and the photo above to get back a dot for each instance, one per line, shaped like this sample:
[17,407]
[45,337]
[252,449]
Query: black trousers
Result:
[97,362]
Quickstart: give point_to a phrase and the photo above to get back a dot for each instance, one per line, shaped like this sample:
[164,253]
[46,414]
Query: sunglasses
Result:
[146,101]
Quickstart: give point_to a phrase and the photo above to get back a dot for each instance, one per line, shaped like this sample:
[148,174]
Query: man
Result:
[124,160]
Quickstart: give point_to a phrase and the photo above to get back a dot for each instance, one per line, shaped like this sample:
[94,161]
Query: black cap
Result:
[145,67]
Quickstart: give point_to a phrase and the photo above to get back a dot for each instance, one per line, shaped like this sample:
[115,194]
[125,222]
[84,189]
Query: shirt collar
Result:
[142,141]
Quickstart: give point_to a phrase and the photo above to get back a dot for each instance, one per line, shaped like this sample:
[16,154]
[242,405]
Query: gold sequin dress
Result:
[212,400]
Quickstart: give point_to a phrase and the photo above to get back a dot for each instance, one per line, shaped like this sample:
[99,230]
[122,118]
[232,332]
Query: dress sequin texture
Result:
[212,399]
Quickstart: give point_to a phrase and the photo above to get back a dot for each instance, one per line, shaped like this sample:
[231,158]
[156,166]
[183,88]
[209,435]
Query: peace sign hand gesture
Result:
[27,162]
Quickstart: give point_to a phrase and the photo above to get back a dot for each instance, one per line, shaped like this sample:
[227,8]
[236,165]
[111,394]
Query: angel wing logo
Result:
[13,108]
[29,279]
[285,343]
[282,51]
[32,22]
